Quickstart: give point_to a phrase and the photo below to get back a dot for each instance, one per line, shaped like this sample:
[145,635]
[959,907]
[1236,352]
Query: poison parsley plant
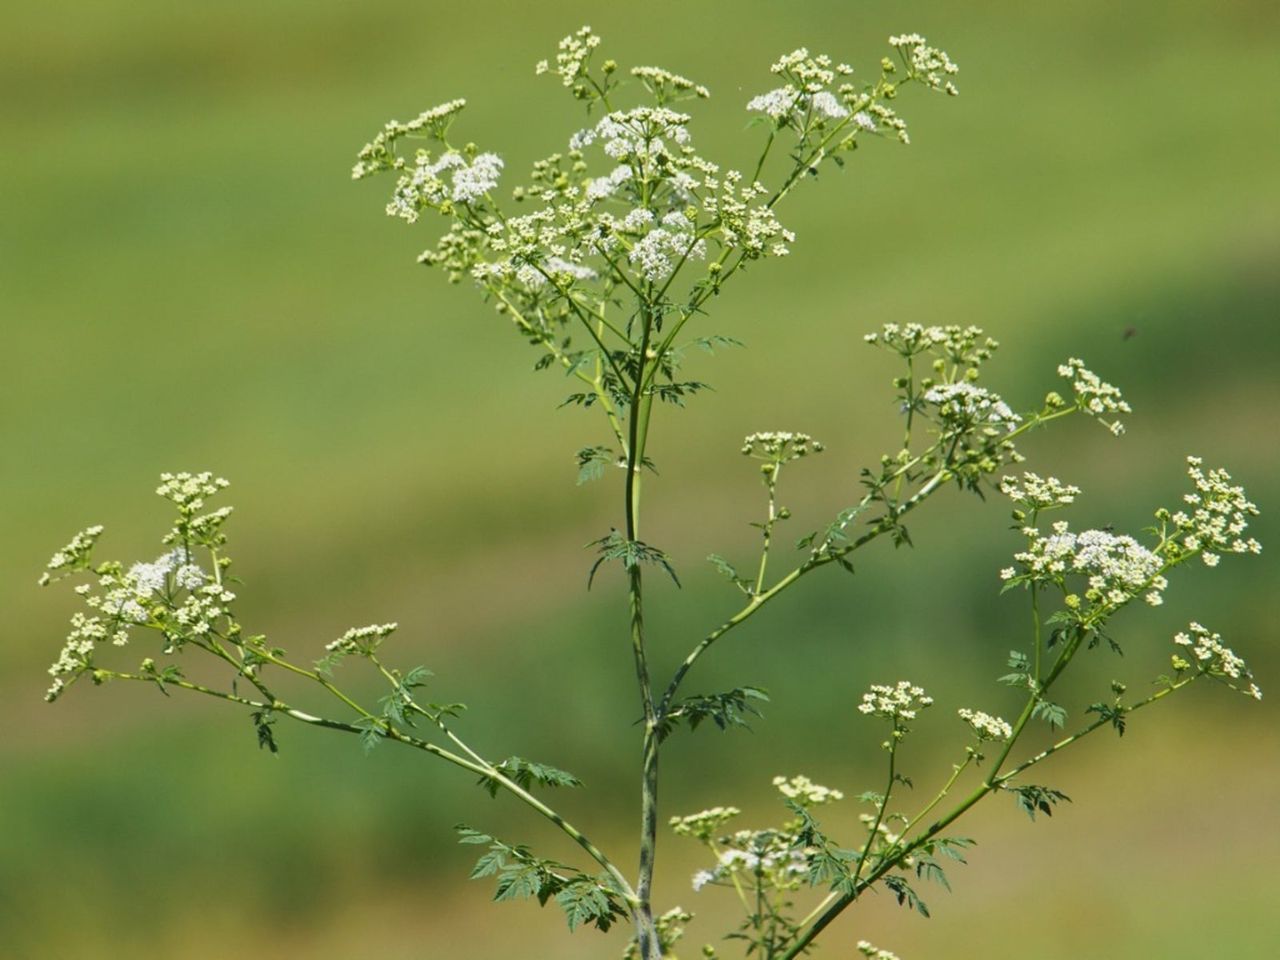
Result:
[606,257]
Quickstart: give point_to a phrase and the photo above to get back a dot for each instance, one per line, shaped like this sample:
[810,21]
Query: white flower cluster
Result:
[787,103]
[1214,658]
[805,99]
[641,134]
[872,952]
[809,72]
[805,792]
[129,597]
[705,824]
[927,64]
[702,878]
[568,270]
[961,345]
[882,115]
[667,86]
[142,595]
[74,556]
[985,726]
[1219,516]
[745,224]
[1118,568]
[571,60]
[964,404]
[1093,396]
[426,187]
[777,103]
[149,578]
[1038,493]
[379,154]
[902,701]
[780,446]
[198,613]
[76,654]
[205,528]
[188,490]
[600,188]
[770,852]
[658,253]
[362,640]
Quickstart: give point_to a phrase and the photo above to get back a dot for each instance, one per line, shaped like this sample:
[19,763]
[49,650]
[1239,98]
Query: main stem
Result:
[638,424]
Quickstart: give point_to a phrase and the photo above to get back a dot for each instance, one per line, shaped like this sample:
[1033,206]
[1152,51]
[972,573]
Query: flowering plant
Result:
[630,234]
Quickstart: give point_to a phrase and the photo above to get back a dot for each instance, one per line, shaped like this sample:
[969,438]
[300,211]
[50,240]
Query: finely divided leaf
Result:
[632,553]
[526,774]
[725,710]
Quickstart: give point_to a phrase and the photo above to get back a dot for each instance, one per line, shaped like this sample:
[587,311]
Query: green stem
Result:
[992,782]
[813,563]
[942,794]
[894,739]
[771,481]
[638,415]
[477,765]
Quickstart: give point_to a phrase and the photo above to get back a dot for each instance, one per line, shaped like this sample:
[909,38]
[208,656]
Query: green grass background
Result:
[188,280]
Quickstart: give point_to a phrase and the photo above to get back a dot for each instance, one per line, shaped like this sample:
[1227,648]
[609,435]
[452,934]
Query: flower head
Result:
[1094,397]
[1216,517]
[1038,493]
[903,701]
[74,556]
[1116,566]
[805,792]
[985,726]
[1211,657]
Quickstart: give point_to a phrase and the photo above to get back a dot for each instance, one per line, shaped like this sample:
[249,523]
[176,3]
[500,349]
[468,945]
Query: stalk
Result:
[638,416]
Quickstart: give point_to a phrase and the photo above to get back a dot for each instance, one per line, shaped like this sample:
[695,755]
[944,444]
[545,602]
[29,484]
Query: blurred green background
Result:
[188,280]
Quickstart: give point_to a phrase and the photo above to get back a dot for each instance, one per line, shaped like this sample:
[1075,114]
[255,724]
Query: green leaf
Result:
[330,660]
[526,774]
[488,864]
[1052,713]
[262,721]
[1035,799]
[469,835]
[676,392]
[710,343]
[417,677]
[372,732]
[730,573]
[928,869]
[828,863]
[835,532]
[632,553]
[951,847]
[592,461]
[1116,715]
[584,900]
[725,710]
[518,882]
[905,895]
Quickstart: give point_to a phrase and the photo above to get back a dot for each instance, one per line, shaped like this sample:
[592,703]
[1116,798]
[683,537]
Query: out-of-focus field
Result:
[188,280]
